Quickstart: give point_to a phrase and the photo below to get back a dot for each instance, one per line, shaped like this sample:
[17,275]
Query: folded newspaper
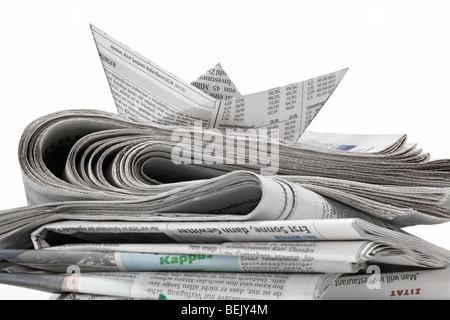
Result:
[195,191]
[94,155]
[318,245]
[404,285]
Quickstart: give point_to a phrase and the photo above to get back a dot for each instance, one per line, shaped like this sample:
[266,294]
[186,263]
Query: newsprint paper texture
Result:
[307,215]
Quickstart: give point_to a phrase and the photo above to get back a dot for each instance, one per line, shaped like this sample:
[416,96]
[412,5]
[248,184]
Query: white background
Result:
[397,51]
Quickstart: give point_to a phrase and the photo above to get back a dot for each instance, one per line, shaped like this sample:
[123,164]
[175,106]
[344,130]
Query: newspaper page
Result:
[60,153]
[142,90]
[329,245]
[238,196]
[145,92]
[406,285]
[396,185]
[292,257]
[216,83]
[181,285]
[96,232]
[354,142]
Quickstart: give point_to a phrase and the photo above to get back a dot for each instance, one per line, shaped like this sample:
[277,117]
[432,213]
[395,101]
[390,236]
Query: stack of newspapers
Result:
[195,191]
